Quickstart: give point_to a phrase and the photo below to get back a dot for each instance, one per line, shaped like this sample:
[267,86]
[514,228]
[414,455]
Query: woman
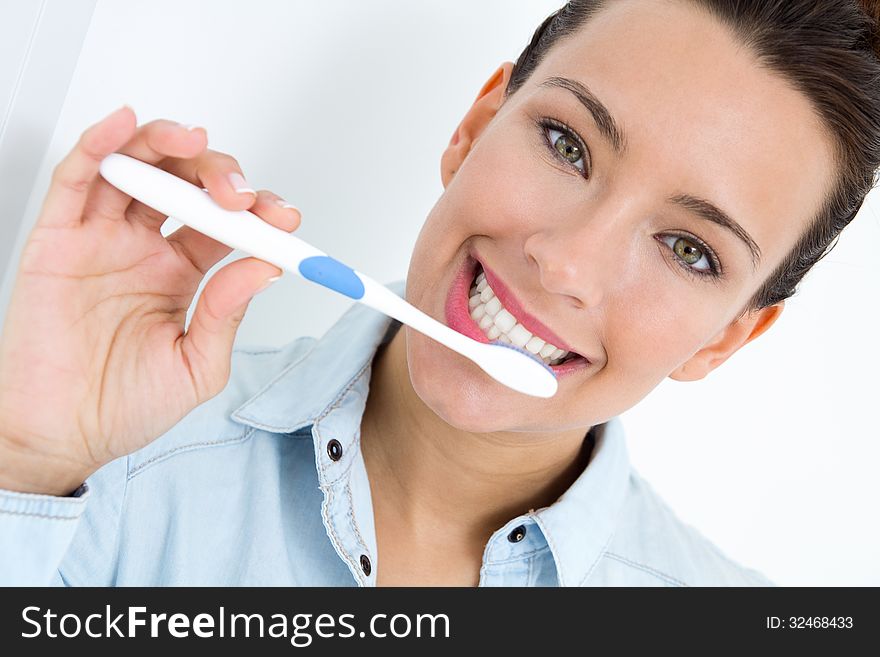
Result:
[643,189]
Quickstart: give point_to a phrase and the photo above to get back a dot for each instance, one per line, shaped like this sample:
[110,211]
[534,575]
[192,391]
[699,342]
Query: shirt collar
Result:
[305,389]
[578,526]
[581,523]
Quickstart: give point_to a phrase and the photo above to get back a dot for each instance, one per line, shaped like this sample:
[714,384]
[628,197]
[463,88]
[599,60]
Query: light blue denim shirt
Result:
[243,491]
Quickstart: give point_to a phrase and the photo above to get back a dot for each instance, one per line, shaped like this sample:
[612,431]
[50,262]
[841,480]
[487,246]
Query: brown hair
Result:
[827,49]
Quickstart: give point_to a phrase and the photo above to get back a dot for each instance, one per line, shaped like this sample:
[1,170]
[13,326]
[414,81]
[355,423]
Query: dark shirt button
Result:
[334,449]
[365,564]
[518,534]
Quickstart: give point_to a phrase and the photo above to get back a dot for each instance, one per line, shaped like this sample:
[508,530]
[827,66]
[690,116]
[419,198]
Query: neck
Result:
[486,479]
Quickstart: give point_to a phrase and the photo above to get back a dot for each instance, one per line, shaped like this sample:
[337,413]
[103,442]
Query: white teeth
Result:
[519,335]
[505,321]
[535,344]
[500,325]
[493,306]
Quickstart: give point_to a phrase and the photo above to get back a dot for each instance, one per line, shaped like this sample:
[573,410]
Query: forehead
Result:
[700,114]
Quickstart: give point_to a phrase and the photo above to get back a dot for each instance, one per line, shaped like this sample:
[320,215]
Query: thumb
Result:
[207,344]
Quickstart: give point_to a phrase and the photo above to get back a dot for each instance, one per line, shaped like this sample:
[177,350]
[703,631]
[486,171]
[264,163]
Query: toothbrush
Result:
[514,367]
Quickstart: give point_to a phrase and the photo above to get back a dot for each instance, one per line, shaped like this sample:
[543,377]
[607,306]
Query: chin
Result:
[463,396]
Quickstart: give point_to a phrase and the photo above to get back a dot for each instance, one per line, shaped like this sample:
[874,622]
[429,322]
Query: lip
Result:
[532,324]
[458,315]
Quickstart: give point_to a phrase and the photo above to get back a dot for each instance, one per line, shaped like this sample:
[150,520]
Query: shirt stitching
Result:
[258,351]
[651,571]
[114,578]
[520,557]
[271,383]
[317,427]
[323,468]
[354,524]
[335,403]
[692,531]
[326,507]
[210,443]
[37,515]
[328,522]
[550,542]
[598,559]
[15,495]
[332,406]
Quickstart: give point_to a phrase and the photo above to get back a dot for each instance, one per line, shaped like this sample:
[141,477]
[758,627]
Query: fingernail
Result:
[287,206]
[240,185]
[118,110]
[189,127]
[268,282]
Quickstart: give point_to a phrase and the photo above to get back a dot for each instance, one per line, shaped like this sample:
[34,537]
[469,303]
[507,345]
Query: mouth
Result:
[480,306]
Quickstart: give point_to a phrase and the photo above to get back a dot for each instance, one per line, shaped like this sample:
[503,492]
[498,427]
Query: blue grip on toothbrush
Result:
[332,274]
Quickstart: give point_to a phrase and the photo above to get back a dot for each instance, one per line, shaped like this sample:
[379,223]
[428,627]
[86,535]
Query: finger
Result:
[74,176]
[152,143]
[217,172]
[204,252]
[207,344]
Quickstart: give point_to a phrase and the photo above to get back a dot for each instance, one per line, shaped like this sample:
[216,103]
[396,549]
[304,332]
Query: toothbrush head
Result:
[518,369]
[524,352]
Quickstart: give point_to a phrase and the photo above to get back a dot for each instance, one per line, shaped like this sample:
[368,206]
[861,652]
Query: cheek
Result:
[651,333]
[505,186]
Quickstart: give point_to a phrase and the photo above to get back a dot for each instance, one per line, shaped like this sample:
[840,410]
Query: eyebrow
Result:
[706,210]
[604,121]
[616,138]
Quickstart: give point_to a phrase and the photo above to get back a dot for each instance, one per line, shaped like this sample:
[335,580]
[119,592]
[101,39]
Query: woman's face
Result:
[587,239]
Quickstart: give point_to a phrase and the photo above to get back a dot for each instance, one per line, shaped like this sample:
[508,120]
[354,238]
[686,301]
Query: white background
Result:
[344,108]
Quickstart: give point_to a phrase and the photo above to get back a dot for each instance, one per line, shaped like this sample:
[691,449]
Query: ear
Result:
[737,334]
[485,107]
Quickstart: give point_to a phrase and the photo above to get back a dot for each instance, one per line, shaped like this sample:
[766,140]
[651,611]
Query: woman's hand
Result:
[94,361]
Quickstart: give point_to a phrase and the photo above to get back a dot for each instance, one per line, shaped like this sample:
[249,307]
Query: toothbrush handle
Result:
[241,229]
[246,231]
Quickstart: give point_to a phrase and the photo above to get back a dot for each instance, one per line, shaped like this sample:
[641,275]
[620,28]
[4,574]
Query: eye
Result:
[689,252]
[565,144]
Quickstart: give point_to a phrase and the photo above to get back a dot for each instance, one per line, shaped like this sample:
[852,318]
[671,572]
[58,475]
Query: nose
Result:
[576,260]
